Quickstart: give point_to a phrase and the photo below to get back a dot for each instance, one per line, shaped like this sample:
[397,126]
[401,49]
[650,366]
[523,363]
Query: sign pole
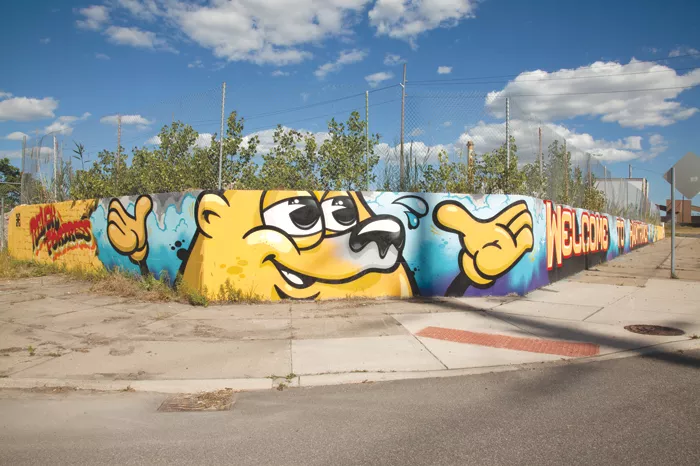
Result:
[673,222]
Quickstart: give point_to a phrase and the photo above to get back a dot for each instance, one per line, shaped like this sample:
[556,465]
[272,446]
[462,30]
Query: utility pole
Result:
[367,138]
[539,130]
[221,136]
[566,173]
[55,169]
[119,148]
[22,192]
[402,169]
[507,140]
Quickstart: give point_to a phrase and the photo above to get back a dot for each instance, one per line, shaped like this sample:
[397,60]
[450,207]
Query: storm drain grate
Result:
[221,400]
[654,330]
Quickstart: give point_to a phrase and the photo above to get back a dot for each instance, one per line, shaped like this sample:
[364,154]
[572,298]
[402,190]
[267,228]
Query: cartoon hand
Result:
[490,247]
[127,233]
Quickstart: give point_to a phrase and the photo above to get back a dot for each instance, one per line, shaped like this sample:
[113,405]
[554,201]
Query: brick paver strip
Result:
[532,345]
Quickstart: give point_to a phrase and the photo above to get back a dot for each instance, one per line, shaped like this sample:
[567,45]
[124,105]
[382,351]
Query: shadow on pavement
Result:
[561,332]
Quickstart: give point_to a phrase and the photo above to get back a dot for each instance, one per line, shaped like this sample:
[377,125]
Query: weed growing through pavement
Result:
[228,293]
[119,282]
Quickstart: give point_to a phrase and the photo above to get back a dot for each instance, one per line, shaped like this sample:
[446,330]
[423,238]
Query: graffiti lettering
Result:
[50,233]
[566,238]
[639,234]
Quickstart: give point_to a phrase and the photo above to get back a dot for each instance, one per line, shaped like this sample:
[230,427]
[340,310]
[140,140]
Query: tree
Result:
[558,170]
[292,163]
[495,176]
[347,158]
[9,174]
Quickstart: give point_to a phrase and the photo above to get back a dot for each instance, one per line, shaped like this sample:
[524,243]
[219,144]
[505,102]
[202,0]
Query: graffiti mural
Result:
[331,244]
[55,233]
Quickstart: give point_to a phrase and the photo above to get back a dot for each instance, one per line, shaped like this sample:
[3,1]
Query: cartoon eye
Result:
[298,216]
[340,213]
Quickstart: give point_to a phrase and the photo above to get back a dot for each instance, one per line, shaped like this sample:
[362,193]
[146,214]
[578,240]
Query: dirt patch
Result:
[52,389]
[207,331]
[96,340]
[220,400]
[121,352]
[114,319]
[12,349]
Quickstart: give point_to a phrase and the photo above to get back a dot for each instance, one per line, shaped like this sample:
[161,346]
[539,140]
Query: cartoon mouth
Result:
[295,279]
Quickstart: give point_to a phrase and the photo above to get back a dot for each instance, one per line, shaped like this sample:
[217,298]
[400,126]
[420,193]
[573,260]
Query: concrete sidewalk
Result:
[55,332]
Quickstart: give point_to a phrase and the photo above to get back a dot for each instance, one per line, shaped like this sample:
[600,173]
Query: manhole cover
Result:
[220,400]
[654,330]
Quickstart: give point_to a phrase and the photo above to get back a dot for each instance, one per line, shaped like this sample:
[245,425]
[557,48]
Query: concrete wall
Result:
[319,245]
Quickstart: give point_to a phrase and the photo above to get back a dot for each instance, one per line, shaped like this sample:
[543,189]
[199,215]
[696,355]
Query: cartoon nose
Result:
[384,230]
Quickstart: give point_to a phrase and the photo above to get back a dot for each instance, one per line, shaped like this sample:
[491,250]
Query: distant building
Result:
[622,192]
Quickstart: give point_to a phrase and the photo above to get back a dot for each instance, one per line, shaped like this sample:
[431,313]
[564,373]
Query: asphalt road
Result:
[627,411]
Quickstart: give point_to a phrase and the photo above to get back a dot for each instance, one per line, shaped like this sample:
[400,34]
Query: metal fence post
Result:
[507,141]
[22,187]
[367,138]
[2,230]
[402,168]
[221,136]
[673,222]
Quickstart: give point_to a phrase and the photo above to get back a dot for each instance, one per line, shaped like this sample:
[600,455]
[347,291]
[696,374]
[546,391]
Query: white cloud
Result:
[392,59]
[16,136]
[195,64]
[27,109]
[102,56]
[420,150]
[278,73]
[406,19]
[136,37]
[5,95]
[146,10]
[45,40]
[94,17]
[45,151]
[376,78]
[346,57]
[266,138]
[416,132]
[683,50]
[447,124]
[264,32]
[64,124]
[126,120]
[490,136]
[444,70]
[305,96]
[657,145]
[203,140]
[563,94]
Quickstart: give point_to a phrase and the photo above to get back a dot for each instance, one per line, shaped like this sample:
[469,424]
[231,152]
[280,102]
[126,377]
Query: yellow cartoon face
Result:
[296,245]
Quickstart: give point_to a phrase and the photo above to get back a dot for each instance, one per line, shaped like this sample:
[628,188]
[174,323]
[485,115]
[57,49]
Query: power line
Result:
[454,82]
[316,104]
[558,94]
[321,116]
[518,74]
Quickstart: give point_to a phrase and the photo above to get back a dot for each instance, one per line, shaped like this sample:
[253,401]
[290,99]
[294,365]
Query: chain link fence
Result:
[430,139]
[9,197]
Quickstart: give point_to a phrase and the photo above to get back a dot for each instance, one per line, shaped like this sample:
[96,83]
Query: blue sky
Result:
[70,66]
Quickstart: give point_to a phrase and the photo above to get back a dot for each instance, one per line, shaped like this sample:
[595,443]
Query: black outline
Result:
[465,282]
[284,295]
[142,264]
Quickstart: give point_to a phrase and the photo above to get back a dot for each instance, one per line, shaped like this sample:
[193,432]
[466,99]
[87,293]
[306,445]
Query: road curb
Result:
[315,380]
